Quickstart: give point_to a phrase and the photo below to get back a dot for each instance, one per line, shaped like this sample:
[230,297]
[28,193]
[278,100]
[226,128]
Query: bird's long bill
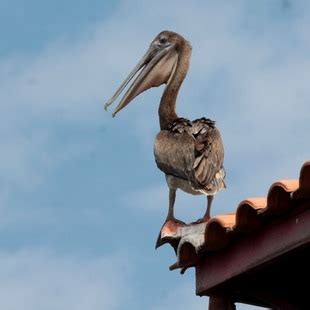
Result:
[157,64]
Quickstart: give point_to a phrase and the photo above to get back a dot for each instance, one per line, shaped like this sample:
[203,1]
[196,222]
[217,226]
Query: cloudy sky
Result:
[81,199]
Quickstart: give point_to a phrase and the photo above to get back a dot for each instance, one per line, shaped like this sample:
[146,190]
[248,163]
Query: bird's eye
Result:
[162,40]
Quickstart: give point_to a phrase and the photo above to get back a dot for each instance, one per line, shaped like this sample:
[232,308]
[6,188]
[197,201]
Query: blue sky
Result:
[81,199]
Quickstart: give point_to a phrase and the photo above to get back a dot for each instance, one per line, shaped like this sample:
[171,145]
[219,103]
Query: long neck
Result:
[166,111]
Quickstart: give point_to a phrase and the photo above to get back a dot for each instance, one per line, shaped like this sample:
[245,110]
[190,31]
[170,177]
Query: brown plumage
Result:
[190,153]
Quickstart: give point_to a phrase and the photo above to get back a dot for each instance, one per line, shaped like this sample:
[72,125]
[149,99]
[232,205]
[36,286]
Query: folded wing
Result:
[192,151]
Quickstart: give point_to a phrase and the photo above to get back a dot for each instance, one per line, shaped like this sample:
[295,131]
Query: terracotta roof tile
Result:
[279,196]
[304,182]
[246,215]
[194,240]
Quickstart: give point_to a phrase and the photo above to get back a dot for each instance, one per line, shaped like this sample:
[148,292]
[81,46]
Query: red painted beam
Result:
[253,251]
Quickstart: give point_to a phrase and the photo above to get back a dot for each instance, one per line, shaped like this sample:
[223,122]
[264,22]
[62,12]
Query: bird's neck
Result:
[167,108]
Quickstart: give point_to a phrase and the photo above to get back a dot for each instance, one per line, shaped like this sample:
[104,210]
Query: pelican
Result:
[190,153]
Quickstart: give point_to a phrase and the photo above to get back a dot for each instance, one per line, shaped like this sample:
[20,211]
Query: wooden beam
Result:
[221,302]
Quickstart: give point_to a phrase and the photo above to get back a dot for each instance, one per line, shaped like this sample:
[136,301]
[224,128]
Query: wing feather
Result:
[190,150]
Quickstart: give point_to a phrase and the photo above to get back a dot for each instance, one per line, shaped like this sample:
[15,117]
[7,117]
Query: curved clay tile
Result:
[304,182]
[170,229]
[279,196]
[187,255]
[247,218]
[216,232]
[171,232]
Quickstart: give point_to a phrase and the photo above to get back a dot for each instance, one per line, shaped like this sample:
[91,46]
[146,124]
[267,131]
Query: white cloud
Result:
[155,199]
[38,279]
[181,297]
[150,199]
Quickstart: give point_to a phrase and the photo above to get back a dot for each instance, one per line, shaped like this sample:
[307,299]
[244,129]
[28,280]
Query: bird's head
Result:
[155,68]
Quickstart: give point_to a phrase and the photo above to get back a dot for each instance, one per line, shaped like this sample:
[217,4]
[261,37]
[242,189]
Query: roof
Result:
[223,247]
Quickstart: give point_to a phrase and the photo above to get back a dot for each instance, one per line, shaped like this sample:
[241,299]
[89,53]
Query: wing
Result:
[209,151]
[190,150]
[174,151]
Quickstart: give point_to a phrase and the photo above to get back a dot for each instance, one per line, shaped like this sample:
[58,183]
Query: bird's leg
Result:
[172,194]
[170,215]
[206,216]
